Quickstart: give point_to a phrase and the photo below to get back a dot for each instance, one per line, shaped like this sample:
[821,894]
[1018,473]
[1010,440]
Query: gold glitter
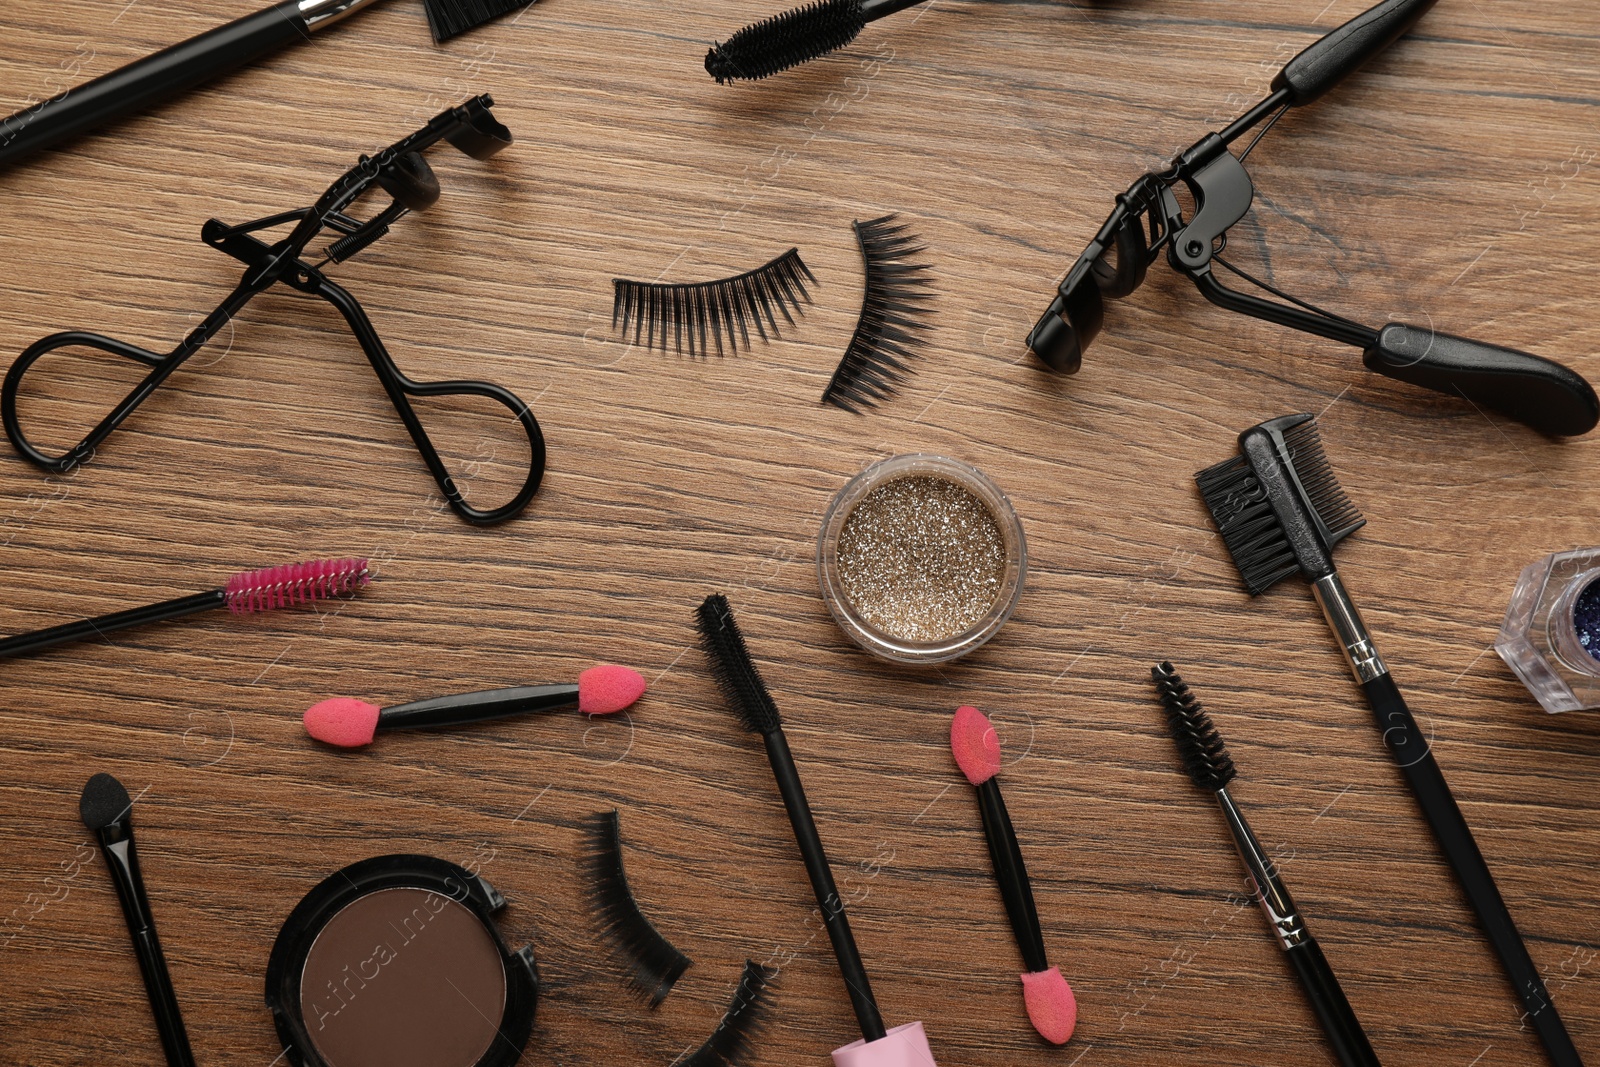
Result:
[921,558]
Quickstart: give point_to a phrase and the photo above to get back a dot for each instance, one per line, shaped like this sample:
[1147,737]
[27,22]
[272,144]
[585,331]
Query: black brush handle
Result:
[150,80]
[872,10]
[1012,874]
[1535,391]
[1338,1018]
[22,644]
[1346,50]
[123,861]
[461,708]
[1409,747]
[822,885]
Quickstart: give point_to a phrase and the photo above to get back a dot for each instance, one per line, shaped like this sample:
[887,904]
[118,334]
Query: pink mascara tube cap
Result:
[904,1046]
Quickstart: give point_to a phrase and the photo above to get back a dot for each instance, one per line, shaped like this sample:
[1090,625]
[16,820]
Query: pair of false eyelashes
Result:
[699,316]
[652,962]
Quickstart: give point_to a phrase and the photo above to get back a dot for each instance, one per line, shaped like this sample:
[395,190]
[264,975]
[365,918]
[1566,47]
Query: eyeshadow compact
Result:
[921,559]
[396,961]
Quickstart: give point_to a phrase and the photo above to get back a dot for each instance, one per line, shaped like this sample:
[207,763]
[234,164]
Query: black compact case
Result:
[437,881]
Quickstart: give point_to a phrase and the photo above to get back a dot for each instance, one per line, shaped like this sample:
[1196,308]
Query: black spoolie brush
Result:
[1206,762]
[764,48]
[747,695]
[1280,511]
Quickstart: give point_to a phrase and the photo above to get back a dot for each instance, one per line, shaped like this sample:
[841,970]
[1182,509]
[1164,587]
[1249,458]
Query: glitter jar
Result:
[921,559]
[1551,634]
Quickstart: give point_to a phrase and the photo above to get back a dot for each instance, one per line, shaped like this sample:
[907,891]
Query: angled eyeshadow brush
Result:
[747,695]
[1280,510]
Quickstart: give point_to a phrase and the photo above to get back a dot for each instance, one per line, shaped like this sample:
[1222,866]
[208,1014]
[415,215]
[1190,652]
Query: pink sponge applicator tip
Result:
[1051,1006]
[607,689]
[343,722]
[975,745]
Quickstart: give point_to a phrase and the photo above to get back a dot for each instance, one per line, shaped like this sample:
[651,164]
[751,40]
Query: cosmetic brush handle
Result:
[1012,874]
[461,708]
[1409,747]
[872,10]
[822,885]
[163,999]
[122,620]
[148,81]
[1333,1010]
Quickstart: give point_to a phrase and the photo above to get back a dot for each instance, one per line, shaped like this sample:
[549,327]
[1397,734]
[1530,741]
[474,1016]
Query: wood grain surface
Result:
[1454,182]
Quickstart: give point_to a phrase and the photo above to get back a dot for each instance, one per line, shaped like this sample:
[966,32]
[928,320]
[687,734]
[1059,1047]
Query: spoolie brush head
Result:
[447,18]
[787,40]
[104,801]
[295,583]
[731,666]
[1205,757]
[1278,506]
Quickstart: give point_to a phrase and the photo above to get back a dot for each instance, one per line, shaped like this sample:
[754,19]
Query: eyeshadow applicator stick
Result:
[107,810]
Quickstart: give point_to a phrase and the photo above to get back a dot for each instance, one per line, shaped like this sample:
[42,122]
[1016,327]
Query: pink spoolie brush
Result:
[1051,1006]
[347,723]
[244,594]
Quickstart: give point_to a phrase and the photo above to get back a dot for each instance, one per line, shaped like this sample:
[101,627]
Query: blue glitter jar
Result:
[1551,634]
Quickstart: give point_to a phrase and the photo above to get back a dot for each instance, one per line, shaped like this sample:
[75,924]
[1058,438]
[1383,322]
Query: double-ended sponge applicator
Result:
[348,723]
[1052,1008]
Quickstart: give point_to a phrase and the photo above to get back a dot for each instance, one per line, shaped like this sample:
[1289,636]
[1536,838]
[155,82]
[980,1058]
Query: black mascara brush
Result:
[746,693]
[1206,762]
[1280,511]
[765,48]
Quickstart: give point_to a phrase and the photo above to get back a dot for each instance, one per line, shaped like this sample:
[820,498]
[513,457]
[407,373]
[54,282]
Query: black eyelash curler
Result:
[402,173]
[1148,218]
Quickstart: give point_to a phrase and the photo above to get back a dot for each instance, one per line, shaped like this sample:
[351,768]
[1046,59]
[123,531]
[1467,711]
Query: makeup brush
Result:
[183,66]
[764,48]
[1280,511]
[1205,760]
[107,811]
[349,723]
[244,594]
[747,695]
[1052,1008]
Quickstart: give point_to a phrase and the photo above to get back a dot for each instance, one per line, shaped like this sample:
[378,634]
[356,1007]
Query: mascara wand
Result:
[747,695]
[765,48]
[1206,762]
[1280,511]
[243,594]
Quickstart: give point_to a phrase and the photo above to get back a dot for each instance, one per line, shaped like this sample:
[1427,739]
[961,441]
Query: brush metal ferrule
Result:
[1265,885]
[1345,622]
[320,14]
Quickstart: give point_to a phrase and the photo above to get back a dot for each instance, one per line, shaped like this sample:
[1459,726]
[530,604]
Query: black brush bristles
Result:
[735,673]
[701,313]
[894,311]
[1205,757]
[447,18]
[765,48]
[1250,529]
[653,964]
[730,1043]
[1243,512]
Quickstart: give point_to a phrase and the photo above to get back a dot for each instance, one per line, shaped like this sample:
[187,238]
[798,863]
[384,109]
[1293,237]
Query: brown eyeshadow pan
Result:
[403,978]
[396,961]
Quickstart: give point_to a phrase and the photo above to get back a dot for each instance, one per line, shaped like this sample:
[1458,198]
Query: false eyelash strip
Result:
[702,312]
[653,964]
[731,1040]
[894,314]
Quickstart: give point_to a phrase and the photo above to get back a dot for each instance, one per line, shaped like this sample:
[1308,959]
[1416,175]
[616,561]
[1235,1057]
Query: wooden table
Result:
[1453,182]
